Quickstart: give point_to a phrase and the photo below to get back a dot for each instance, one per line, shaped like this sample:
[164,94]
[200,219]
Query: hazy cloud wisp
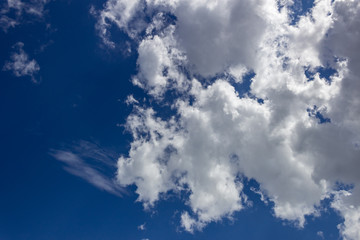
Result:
[83,160]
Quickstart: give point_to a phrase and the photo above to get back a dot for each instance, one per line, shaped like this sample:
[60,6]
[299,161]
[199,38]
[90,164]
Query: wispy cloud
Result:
[20,64]
[13,11]
[92,163]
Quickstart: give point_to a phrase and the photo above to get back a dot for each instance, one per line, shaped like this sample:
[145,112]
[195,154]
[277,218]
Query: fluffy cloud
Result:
[20,64]
[296,131]
[119,12]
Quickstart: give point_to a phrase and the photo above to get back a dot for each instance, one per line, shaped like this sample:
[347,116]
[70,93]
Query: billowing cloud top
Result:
[296,130]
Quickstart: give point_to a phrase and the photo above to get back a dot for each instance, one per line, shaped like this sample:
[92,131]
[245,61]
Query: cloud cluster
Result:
[13,11]
[20,64]
[296,131]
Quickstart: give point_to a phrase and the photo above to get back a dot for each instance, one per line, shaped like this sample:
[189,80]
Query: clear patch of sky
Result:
[318,114]
[324,72]
[300,8]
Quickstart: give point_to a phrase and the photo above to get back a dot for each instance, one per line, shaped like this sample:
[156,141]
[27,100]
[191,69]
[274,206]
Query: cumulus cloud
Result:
[296,130]
[20,64]
[120,13]
[13,11]
[351,214]
[83,160]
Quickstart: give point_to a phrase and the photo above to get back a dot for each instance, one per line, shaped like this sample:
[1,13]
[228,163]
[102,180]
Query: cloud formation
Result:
[91,163]
[13,11]
[20,64]
[295,131]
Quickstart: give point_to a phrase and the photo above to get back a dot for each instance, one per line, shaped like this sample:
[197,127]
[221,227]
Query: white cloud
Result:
[209,151]
[81,160]
[142,227]
[6,23]
[219,34]
[158,64]
[350,228]
[216,136]
[320,234]
[34,8]
[21,65]
[119,12]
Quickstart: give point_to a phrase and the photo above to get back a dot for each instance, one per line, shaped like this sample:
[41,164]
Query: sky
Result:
[179,119]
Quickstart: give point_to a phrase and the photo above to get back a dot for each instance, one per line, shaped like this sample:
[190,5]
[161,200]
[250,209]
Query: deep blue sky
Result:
[81,97]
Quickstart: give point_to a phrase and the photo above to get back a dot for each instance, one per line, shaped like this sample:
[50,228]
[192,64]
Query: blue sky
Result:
[179,120]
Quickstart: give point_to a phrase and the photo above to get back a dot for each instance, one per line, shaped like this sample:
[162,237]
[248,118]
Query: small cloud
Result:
[130,100]
[20,64]
[320,234]
[6,23]
[142,227]
[263,198]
